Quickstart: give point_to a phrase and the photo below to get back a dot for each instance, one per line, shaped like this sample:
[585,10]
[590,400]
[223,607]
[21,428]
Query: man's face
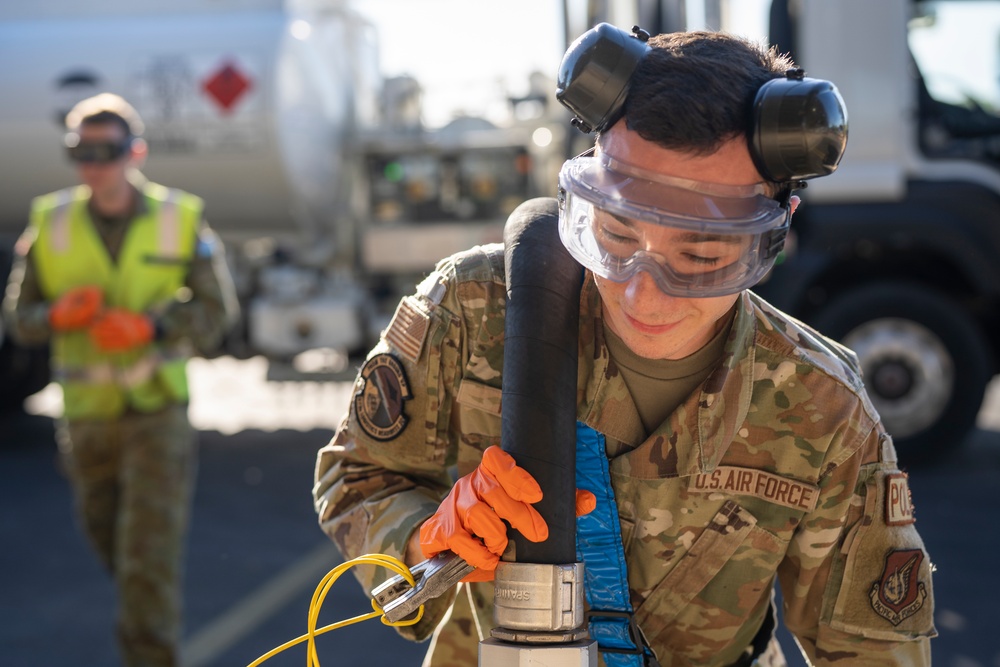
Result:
[104,177]
[653,324]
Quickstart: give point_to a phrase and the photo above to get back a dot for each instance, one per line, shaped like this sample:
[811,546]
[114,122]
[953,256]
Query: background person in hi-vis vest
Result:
[722,447]
[126,281]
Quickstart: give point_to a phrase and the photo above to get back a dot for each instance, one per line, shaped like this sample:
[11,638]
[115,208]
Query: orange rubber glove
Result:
[117,330]
[76,309]
[469,521]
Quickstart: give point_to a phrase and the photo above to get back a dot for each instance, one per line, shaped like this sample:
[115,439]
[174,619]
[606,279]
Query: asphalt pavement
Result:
[256,554]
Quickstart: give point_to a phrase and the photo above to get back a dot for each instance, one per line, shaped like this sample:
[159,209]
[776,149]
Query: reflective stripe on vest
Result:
[168,243]
[60,222]
[107,373]
[599,546]
[170,235]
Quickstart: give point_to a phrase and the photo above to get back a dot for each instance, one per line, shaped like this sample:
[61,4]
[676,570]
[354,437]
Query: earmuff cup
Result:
[595,72]
[799,128]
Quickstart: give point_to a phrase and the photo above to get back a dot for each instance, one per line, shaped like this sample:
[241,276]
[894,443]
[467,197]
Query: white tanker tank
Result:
[248,103]
[331,196]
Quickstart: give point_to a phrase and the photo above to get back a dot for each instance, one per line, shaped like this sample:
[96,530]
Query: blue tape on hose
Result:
[599,547]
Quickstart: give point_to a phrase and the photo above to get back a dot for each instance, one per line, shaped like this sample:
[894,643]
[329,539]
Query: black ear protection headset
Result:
[798,128]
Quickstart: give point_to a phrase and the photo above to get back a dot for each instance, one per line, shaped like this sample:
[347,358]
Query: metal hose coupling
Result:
[538,603]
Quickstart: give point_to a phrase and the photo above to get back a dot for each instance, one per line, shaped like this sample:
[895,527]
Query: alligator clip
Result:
[432,578]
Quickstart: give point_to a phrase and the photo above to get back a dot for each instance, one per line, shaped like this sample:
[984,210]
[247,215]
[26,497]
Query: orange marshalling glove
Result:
[117,330]
[469,521]
[76,309]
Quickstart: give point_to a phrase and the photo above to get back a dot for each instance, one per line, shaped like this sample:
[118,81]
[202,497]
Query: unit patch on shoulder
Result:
[897,594]
[378,403]
[898,505]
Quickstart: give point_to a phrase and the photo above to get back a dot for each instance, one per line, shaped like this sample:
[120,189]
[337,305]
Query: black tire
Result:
[926,363]
[24,373]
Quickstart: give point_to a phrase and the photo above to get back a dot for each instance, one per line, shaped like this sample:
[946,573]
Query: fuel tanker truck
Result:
[330,194]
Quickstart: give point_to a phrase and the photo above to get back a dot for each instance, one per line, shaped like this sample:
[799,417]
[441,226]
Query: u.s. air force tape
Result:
[767,486]
[379,400]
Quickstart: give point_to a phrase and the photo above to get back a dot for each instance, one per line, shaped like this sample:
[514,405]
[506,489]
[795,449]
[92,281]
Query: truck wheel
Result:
[925,361]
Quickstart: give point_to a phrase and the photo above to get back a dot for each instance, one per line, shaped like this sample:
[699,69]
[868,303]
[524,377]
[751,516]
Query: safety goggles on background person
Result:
[695,239]
[100,152]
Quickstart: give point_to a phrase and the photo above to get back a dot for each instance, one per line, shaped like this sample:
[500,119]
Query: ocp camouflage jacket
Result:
[778,468]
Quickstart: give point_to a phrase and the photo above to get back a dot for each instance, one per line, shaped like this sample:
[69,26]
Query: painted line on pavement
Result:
[249,613]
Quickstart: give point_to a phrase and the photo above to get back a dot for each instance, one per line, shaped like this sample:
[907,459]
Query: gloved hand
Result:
[76,309]
[117,330]
[469,521]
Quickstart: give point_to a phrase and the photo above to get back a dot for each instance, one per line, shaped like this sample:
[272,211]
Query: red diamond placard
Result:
[226,86]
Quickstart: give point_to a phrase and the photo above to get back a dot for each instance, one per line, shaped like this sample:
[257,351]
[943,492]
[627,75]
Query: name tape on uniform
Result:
[764,485]
[898,505]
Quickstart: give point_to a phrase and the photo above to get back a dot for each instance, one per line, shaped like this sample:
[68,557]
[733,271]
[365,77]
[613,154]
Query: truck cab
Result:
[897,254]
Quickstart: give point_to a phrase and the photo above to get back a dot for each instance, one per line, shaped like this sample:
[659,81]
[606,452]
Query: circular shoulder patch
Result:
[378,403]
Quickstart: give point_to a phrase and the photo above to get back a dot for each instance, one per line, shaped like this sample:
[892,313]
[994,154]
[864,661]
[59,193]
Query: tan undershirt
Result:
[659,386]
[112,229]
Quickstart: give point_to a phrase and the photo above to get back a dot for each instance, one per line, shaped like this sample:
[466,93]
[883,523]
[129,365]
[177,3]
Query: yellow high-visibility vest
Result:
[152,266]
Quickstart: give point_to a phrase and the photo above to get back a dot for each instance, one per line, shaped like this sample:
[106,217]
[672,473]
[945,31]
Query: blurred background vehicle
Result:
[335,194]
[897,254]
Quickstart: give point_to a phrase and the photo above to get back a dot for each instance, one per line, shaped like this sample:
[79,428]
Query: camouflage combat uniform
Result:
[777,469]
[133,474]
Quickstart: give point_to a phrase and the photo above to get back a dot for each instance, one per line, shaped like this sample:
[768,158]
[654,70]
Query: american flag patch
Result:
[408,329]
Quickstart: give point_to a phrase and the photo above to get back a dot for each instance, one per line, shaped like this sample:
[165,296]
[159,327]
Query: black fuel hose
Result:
[541,330]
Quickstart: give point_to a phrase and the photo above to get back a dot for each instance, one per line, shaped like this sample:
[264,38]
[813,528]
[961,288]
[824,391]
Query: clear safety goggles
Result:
[694,239]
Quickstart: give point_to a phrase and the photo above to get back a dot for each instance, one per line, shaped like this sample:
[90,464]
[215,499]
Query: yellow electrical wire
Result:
[319,595]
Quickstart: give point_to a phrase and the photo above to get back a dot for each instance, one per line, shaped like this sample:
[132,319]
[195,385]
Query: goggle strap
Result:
[775,242]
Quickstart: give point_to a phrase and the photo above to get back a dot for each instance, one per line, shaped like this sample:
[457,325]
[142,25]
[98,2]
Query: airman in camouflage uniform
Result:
[774,468]
[127,446]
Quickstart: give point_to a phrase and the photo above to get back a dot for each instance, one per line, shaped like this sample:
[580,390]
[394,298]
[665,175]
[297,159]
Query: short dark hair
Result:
[693,91]
[104,109]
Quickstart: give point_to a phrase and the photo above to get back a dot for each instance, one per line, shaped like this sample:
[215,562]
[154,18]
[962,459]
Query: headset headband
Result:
[798,128]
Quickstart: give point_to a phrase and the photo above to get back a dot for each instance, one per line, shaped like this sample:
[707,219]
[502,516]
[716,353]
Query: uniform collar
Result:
[139,208]
[696,436]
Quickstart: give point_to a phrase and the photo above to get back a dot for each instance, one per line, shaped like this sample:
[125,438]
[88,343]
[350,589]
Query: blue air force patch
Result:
[378,403]
[206,246]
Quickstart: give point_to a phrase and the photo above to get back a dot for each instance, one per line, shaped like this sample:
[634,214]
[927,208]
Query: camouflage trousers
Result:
[132,481]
